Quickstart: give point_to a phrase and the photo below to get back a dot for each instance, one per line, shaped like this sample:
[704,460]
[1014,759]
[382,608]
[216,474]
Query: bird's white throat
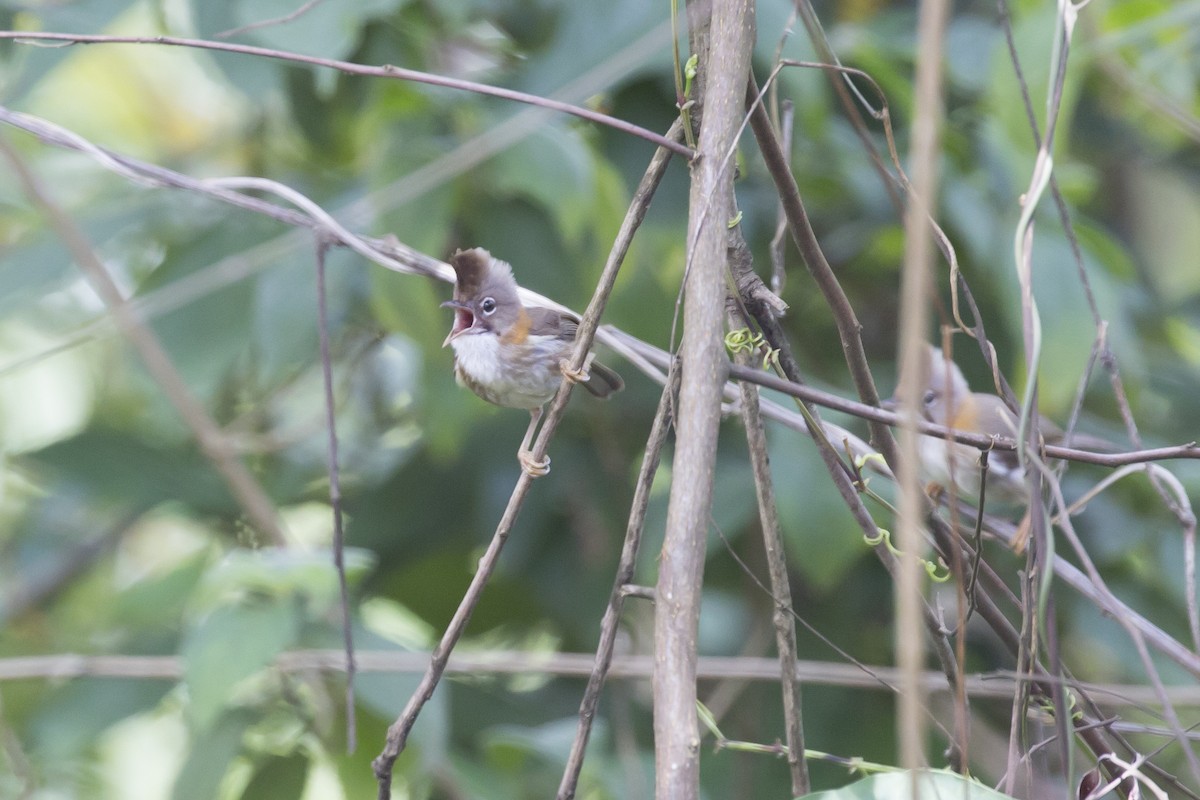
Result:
[478,355]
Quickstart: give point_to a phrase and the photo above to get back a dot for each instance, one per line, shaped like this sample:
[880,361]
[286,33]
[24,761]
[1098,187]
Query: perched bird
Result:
[947,400]
[510,354]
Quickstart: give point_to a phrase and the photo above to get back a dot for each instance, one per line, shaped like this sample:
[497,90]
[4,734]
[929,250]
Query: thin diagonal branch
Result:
[849,328]
[397,736]
[843,86]
[398,732]
[659,431]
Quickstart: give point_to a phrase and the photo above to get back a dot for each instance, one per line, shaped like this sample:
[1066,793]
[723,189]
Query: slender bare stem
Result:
[616,601]
[915,291]
[992,684]
[781,593]
[283,19]
[335,495]
[398,732]
[349,68]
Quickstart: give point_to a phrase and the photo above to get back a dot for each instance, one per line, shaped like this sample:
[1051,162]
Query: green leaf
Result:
[73,717]
[159,601]
[970,46]
[107,464]
[553,169]
[1163,221]
[511,746]
[933,785]
[282,777]
[210,756]
[821,540]
[37,264]
[257,78]
[280,574]
[231,644]
[34,63]
[329,29]
[224,314]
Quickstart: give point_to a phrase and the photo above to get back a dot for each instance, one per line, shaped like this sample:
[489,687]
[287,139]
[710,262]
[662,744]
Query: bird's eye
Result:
[929,397]
[488,306]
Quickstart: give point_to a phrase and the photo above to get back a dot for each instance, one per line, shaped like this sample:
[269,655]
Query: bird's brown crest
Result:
[470,267]
[477,270]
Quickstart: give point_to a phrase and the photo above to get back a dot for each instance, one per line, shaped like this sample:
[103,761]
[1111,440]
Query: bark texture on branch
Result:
[676,733]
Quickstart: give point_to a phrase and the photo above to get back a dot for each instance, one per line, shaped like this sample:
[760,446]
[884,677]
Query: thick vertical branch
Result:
[914,317]
[676,735]
[637,512]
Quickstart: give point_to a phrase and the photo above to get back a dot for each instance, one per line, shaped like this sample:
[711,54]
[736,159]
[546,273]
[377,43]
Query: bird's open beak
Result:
[464,319]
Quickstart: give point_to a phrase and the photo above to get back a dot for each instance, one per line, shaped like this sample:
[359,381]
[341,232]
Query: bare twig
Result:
[992,684]
[787,116]
[1107,358]
[335,495]
[349,68]
[283,19]
[983,442]
[915,289]
[397,735]
[781,593]
[1064,521]
[843,85]
[810,250]
[1041,553]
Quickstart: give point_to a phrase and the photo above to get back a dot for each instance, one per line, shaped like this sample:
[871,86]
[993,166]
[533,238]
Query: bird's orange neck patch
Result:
[519,331]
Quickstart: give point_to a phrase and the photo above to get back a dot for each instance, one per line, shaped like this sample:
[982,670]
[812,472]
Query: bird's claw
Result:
[574,375]
[533,467]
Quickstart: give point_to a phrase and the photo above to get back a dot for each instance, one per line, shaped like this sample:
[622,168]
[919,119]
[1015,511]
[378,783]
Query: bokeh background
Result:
[117,538]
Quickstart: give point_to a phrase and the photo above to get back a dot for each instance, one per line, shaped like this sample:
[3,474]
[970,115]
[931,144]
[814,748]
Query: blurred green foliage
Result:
[130,543]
